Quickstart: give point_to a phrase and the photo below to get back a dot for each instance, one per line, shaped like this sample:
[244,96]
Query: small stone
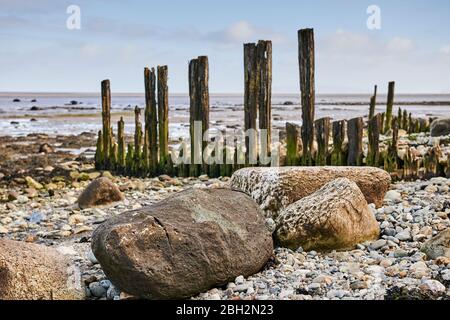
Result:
[82,229]
[325,279]
[22,199]
[400,253]
[36,217]
[97,290]
[105,284]
[431,189]
[359,285]
[432,286]
[91,257]
[33,183]
[3,230]
[403,235]
[271,225]
[378,244]
[419,269]
[107,174]
[239,280]
[393,195]
[113,293]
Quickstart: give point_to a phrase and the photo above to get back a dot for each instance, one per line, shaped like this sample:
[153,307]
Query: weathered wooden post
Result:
[355,134]
[410,124]
[121,145]
[373,155]
[338,156]
[129,159]
[137,140]
[293,144]
[391,161]
[264,82]
[199,110]
[373,102]
[99,152]
[250,101]
[322,128]
[389,106]
[163,116]
[405,120]
[383,117]
[106,118]
[307,88]
[151,118]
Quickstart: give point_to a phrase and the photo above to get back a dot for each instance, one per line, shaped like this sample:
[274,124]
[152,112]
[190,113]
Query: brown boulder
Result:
[335,217]
[184,245]
[101,191]
[35,272]
[275,188]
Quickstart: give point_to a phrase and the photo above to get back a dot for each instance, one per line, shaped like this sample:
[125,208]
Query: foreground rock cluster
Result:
[204,238]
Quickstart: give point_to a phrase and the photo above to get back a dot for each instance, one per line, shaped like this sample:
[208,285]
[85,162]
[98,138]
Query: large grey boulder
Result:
[184,245]
[275,188]
[335,217]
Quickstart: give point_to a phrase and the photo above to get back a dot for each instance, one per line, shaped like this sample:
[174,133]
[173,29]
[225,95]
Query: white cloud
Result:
[398,44]
[242,31]
[445,49]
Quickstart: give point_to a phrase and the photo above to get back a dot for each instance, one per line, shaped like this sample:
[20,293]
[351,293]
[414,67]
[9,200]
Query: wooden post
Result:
[163,116]
[322,128]
[99,152]
[129,159]
[199,108]
[151,118]
[391,161]
[410,124]
[293,144]
[106,117]
[373,102]
[264,78]
[121,145]
[399,118]
[389,106]
[355,134]
[137,140]
[250,99]
[306,69]
[405,120]
[338,156]
[447,171]
[383,117]
[373,155]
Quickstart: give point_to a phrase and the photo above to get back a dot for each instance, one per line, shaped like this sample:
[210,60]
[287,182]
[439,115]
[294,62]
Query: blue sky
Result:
[118,39]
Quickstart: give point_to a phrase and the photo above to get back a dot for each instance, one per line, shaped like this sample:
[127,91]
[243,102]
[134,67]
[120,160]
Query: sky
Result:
[117,39]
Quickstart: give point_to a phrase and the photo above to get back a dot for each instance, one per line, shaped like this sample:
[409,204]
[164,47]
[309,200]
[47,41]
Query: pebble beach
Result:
[39,205]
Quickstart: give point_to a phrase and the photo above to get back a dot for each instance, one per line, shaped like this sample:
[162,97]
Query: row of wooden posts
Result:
[149,155]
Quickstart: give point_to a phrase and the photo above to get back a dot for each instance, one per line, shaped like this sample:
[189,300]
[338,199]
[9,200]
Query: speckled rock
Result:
[335,217]
[275,188]
[438,246]
[101,191]
[185,244]
[35,272]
